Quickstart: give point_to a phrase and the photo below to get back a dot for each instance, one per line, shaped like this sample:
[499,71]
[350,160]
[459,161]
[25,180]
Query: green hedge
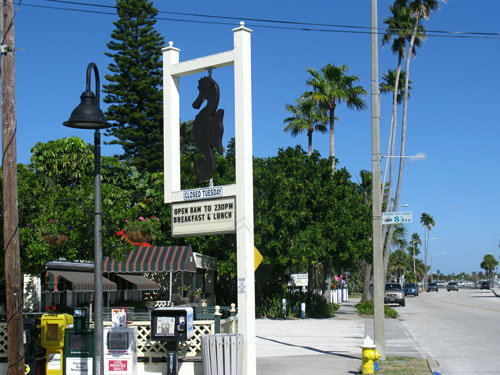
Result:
[366,308]
[316,306]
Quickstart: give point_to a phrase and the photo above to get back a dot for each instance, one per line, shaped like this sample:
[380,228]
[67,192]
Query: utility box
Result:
[120,351]
[53,327]
[79,346]
[172,324]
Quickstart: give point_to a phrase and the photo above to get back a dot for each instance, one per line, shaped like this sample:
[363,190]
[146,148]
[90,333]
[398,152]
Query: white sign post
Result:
[240,57]
[396,217]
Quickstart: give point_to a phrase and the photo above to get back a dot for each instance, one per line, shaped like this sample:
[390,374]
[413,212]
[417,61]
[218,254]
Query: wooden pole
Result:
[378,264]
[13,275]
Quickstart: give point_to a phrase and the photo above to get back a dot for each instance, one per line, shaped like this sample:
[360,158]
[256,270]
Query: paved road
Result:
[461,330]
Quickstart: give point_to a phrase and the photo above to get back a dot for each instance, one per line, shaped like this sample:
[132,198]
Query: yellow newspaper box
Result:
[53,327]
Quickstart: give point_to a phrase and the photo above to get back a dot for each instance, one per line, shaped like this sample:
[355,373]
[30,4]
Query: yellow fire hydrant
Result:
[370,356]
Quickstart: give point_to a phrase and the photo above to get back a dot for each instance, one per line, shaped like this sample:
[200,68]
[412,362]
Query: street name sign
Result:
[199,217]
[396,217]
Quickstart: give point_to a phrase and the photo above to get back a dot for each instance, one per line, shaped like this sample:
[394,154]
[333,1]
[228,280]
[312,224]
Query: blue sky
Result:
[452,119]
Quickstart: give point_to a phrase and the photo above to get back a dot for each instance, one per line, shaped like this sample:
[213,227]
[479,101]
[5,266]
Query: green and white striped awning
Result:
[59,281]
[153,259]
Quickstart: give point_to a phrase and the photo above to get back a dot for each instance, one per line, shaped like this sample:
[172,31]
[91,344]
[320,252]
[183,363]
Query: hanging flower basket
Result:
[142,229]
[56,240]
[138,236]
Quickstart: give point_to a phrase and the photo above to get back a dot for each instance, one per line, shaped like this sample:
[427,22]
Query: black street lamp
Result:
[88,115]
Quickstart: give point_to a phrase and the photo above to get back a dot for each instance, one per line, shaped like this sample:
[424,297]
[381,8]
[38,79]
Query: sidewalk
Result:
[325,346]
[311,346]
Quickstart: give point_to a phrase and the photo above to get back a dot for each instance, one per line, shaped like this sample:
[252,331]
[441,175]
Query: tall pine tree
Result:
[134,91]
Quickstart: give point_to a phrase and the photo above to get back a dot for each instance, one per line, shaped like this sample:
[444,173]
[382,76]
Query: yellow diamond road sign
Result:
[257,256]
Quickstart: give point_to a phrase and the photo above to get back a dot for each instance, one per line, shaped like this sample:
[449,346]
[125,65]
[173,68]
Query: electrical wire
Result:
[11,21]
[285,24]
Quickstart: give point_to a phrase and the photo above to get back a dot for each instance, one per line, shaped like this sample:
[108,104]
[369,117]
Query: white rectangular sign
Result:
[78,366]
[203,193]
[299,279]
[214,216]
[396,217]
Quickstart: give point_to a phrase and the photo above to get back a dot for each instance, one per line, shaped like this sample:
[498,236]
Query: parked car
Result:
[410,288]
[452,286]
[433,287]
[394,294]
[485,285]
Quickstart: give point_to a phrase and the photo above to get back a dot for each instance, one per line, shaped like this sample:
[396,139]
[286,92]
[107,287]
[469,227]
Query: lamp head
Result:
[87,115]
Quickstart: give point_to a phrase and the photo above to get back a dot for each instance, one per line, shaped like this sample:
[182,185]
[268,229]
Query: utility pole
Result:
[13,276]
[378,265]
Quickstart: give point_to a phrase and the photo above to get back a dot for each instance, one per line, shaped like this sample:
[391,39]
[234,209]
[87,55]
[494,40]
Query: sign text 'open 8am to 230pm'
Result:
[210,216]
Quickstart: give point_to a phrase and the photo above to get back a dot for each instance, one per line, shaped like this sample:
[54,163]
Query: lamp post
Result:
[441,252]
[88,115]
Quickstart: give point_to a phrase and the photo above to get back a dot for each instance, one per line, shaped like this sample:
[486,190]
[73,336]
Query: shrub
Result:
[316,306]
[366,308]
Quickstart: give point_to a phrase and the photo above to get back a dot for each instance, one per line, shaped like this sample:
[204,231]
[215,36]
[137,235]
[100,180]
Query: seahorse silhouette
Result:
[207,128]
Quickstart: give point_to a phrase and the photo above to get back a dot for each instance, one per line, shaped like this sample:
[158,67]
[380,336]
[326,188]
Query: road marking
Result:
[473,306]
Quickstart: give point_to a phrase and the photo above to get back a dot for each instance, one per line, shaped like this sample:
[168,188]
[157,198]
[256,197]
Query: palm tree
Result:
[390,85]
[405,11]
[418,9]
[413,250]
[365,191]
[306,116]
[428,222]
[488,264]
[399,25]
[331,87]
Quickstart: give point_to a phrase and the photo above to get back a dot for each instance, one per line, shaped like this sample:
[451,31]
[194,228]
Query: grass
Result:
[404,366]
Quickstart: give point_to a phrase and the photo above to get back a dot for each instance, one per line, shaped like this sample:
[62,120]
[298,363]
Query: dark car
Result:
[433,287]
[452,286]
[394,294]
[410,288]
[485,285]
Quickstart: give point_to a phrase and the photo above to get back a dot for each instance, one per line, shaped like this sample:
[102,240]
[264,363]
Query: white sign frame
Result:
[241,58]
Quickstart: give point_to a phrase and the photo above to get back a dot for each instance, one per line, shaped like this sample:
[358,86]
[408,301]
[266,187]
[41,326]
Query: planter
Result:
[138,236]
[56,240]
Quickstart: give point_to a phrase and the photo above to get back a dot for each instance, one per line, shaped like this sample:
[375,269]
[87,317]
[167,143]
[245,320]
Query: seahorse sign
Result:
[208,128]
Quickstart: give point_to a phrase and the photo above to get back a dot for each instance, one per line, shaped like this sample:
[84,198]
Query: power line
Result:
[271,23]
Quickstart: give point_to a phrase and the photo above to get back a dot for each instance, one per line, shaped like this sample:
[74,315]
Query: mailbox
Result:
[79,346]
[53,327]
[172,324]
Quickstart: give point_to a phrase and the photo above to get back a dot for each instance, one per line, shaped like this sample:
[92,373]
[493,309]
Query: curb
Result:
[434,365]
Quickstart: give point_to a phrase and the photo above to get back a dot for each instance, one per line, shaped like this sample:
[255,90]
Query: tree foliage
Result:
[134,90]
[489,264]
[331,87]
[304,214]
